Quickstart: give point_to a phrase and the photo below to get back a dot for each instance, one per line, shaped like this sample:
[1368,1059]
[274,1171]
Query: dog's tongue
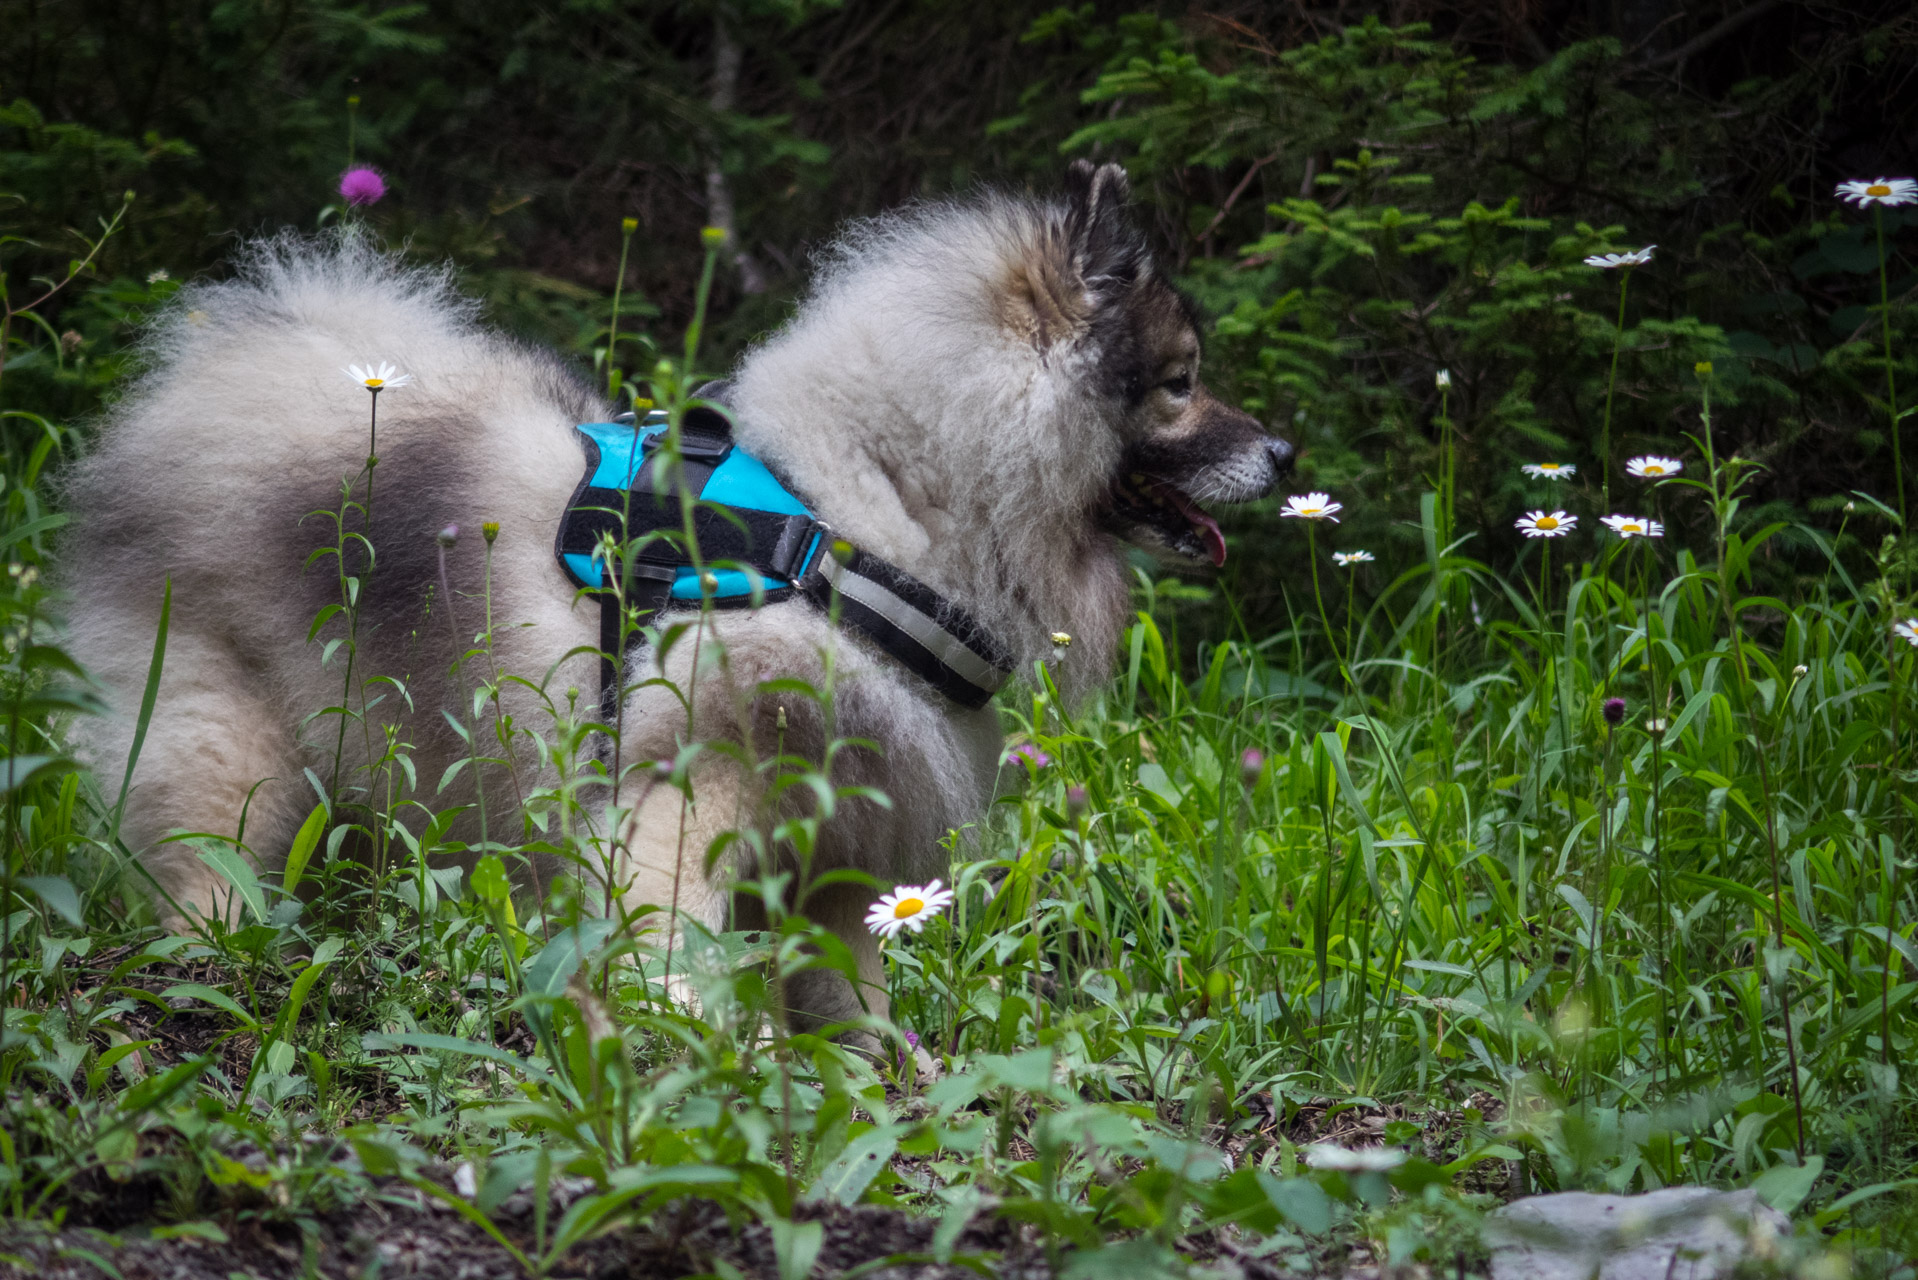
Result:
[1209,531]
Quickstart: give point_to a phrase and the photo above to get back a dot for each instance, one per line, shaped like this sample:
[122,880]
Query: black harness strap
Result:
[705,438]
[917,627]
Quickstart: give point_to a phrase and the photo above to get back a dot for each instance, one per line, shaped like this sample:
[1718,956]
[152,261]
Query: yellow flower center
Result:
[1545,522]
[1631,526]
[908,908]
[375,384]
[1653,469]
[1878,189]
[1550,466]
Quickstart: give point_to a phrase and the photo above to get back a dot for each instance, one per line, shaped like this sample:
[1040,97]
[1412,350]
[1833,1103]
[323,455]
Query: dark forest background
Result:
[1360,194]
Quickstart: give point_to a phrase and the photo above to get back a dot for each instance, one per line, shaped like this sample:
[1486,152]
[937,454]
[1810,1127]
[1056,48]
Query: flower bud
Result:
[1076,800]
[712,237]
[448,536]
[1442,379]
[352,99]
[628,225]
[1251,765]
[1703,368]
[1613,710]
[780,723]
[642,404]
[490,531]
[1800,671]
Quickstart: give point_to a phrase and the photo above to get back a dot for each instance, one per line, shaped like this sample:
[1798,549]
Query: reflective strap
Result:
[950,651]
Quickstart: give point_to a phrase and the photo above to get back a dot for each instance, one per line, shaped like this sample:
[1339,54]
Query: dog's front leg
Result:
[664,884]
[660,874]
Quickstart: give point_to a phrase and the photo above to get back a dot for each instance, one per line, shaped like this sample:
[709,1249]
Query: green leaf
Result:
[1302,1202]
[57,892]
[453,1044]
[489,881]
[18,771]
[1785,1186]
[548,972]
[239,873]
[32,528]
[304,843]
[847,1177]
[796,1245]
[147,699]
[218,999]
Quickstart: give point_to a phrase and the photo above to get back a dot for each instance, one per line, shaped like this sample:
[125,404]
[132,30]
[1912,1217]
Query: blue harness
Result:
[740,481]
[748,526]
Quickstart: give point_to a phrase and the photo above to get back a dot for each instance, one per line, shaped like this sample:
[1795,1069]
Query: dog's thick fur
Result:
[989,394]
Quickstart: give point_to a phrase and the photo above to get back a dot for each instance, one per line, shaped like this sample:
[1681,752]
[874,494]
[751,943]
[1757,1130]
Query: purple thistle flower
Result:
[1251,765]
[1613,710]
[912,1044]
[1030,754]
[361,185]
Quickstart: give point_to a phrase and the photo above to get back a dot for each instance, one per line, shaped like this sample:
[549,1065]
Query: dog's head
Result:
[1093,295]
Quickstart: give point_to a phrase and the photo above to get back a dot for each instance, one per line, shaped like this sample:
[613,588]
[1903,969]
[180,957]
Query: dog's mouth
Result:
[1146,503]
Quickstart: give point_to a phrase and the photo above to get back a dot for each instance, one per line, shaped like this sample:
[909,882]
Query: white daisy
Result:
[907,907]
[384,377]
[1326,1155]
[1653,467]
[1635,258]
[1550,470]
[1345,559]
[1907,631]
[1886,191]
[1312,506]
[1546,524]
[1443,378]
[1635,527]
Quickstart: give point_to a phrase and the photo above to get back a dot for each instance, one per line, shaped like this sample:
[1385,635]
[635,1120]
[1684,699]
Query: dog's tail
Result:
[223,467]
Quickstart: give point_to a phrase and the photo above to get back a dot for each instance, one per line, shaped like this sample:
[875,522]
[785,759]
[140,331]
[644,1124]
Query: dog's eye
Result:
[1179,386]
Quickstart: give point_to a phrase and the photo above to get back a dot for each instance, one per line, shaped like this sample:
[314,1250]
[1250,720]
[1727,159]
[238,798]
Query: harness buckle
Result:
[706,450]
[788,556]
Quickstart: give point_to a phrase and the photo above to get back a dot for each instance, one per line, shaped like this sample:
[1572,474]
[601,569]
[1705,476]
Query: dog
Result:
[994,394]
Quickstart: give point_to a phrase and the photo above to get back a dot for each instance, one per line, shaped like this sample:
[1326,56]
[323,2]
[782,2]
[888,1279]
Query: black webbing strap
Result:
[767,540]
[919,628]
[705,438]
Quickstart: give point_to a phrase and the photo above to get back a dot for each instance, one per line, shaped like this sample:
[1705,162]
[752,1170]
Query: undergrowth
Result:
[1585,871]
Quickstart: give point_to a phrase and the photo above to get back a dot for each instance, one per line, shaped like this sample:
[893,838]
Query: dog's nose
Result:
[1281,454]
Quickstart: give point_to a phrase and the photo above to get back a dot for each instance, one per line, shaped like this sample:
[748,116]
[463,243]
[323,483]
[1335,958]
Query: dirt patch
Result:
[401,1233]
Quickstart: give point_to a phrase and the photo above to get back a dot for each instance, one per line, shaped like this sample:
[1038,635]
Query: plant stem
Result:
[1891,380]
[626,230]
[1721,508]
[1611,384]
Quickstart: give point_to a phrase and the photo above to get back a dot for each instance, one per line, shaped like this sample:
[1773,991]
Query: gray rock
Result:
[1680,1233]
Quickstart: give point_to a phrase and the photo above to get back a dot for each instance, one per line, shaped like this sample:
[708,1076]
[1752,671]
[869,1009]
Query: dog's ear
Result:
[1107,247]
[1091,256]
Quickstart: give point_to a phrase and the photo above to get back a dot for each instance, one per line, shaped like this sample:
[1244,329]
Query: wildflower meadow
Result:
[1530,806]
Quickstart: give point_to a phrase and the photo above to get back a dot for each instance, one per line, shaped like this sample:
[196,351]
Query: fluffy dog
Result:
[991,394]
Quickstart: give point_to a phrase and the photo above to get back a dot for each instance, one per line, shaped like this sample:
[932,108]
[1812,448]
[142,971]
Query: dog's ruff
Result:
[959,394]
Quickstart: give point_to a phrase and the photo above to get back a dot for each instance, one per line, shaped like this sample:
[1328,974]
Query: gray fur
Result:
[956,394]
